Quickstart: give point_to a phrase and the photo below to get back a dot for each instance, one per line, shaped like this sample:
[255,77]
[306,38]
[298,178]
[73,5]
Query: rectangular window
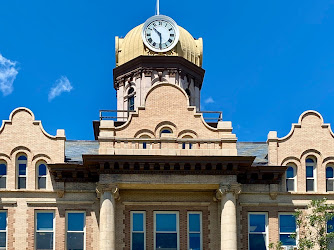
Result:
[41,180]
[194,230]
[309,178]
[3,174]
[22,176]
[3,230]
[166,230]
[287,226]
[44,230]
[75,230]
[330,229]
[257,231]
[138,237]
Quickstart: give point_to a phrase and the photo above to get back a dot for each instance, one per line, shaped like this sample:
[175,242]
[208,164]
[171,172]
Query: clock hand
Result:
[157,31]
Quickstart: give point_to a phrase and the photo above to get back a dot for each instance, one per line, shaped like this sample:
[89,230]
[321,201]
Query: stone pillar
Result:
[227,193]
[108,194]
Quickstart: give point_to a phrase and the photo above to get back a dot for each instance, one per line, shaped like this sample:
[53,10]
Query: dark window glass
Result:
[329,172]
[287,223]
[131,105]
[3,240]
[287,240]
[75,241]
[44,241]
[184,145]
[166,131]
[309,171]
[45,221]
[22,157]
[257,242]
[22,182]
[3,220]
[194,222]
[41,182]
[190,146]
[309,160]
[195,241]
[290,185]
[137,222]
[166,222]
[42,169]
[22,169]
[330,226]
[2,181]
[144,145]
[309,185]
[138,241]
[257,223]
[329,185]
[3,169]
[166,241]
[76,221]
[290,172]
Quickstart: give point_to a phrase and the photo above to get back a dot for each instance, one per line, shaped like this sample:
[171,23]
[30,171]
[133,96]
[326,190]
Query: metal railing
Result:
[123,115]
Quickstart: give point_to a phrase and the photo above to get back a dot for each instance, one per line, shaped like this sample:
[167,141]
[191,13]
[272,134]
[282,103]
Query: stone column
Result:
[108,194]
[227,193]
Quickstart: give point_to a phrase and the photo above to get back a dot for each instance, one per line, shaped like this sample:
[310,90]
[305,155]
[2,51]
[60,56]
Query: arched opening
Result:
[131,99]
[310,174]
[21,168]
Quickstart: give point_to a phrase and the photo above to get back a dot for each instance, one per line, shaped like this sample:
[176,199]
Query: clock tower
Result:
[157,51]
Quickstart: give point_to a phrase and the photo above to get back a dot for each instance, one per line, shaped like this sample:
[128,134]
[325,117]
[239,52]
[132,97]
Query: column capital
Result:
[234,188]
[112,188]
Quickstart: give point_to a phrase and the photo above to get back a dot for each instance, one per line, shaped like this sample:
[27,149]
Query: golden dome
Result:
[132,46]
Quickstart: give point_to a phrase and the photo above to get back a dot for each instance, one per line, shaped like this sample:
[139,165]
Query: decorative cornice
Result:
[112,188]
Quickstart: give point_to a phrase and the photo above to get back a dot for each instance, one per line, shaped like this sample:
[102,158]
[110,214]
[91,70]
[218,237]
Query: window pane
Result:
[75,221]
[287,223]
[137,222]
[22,182]
[309,171]
[3,220]
[329,172]
[44,241]
[309,160]
[41,182]
[257,242]
[195,241]
[144,145]
[287,240]
[137,241]
[194,223]
[75,241]
[257,223]
[2,182]
[290,185]
[22,169]
[22,157]
[3,239]
[290,172]
[44,221]
[166,222]
[329,185]
[166,241]
[309,185]
[42,169]
[330,226]
[3,169]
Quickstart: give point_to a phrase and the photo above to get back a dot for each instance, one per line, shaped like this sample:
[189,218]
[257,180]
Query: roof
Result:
[258,149]
[74,149]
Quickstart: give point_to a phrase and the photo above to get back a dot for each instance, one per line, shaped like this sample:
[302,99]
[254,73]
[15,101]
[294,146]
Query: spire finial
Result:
[158,8]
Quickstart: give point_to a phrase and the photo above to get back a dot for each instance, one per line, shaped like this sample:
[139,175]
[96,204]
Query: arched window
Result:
[187,145]
[41,175]
[3,174]
[291,178]
[166,132]
[329,179]
[131,99]
[310,175]
[21,167]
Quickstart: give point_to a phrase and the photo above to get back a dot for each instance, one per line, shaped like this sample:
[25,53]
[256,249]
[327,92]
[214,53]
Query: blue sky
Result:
[266,61]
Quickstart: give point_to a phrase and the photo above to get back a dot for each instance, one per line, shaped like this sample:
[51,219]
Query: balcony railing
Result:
[123,115]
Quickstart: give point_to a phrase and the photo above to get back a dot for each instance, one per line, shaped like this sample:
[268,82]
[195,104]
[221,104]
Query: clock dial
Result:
[160,33]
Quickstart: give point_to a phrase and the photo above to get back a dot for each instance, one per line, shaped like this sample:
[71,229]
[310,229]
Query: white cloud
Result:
[209,100]
[61,85]
[8,74]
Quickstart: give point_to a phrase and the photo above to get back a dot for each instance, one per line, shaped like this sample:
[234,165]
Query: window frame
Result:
[314,178]
[53,226]
[279,228]
[66,226]
[177,226]
[131,96]
[42,176]
[294,167]
[188,228]
[18,176]
[6,175]
[330,178]
[6,230]
[131,226]
[266,227]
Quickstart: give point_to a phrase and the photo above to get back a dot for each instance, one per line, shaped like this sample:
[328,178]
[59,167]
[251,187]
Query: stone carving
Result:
[234,188]
[101,188]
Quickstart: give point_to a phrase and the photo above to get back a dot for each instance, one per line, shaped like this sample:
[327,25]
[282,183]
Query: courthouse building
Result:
[159,174]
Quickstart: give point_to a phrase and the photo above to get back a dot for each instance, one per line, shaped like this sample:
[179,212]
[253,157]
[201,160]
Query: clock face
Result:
[160,33]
